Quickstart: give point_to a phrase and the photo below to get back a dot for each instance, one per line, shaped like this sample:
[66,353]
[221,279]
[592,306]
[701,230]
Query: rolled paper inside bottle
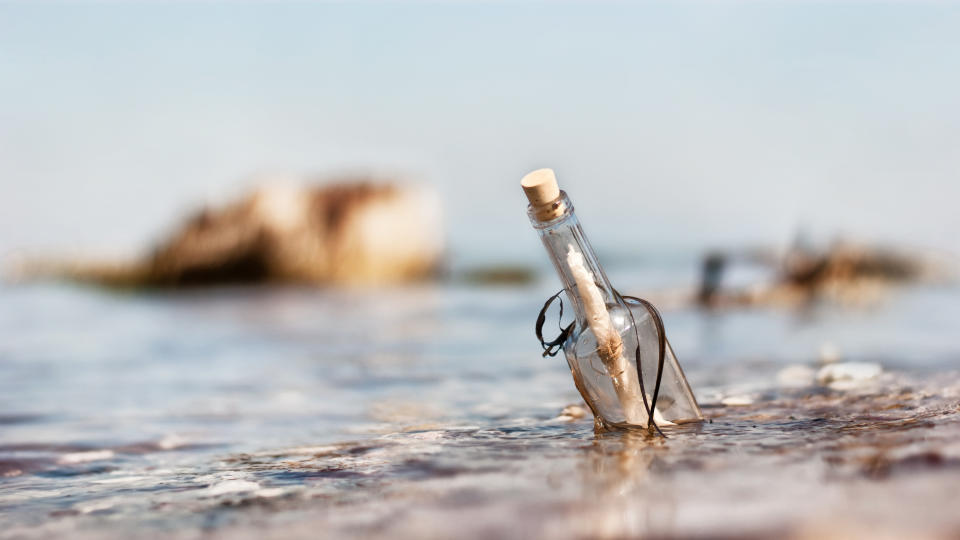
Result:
[609,344]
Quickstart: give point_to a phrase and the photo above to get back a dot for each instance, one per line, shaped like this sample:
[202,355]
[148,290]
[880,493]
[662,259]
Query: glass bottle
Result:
[601,349]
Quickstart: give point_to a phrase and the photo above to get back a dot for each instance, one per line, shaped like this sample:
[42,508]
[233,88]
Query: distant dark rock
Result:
[500,275]
[845,272]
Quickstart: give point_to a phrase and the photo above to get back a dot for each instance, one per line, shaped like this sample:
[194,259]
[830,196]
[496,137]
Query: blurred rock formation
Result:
[845,272]
[350,233]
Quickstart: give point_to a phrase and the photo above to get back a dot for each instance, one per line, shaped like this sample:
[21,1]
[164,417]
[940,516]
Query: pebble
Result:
[83,457]
[572,412]
[267,493]
[829,353]
[734,401]
[848,373]
[796,376]
[232,486]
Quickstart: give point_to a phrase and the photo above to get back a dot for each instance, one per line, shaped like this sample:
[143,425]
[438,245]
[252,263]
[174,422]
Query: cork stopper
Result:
[542,191]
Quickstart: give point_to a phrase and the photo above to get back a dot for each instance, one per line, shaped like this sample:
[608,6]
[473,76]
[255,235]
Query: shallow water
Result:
[428,412]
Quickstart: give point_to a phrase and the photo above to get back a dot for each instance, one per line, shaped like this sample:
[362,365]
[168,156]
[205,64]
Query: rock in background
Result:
[346,233]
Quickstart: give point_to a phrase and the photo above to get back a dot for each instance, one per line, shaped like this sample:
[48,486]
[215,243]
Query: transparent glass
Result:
[601,348]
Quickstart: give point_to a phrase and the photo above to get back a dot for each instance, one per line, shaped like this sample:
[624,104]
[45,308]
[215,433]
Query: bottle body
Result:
[611,336]
[675,404]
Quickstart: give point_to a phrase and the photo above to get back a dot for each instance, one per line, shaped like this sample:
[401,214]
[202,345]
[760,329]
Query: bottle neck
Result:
[571,254]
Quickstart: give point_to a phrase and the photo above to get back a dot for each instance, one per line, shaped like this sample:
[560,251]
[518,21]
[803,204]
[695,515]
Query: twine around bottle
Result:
[552,347]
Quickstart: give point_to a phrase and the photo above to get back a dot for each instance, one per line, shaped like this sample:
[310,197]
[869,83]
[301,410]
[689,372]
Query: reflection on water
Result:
[429,412]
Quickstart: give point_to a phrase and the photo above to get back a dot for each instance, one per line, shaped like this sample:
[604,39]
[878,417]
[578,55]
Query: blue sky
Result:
[671,124]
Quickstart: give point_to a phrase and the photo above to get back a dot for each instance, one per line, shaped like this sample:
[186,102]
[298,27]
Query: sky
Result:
[672,125]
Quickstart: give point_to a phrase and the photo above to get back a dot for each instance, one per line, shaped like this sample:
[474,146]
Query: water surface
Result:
[428,412]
